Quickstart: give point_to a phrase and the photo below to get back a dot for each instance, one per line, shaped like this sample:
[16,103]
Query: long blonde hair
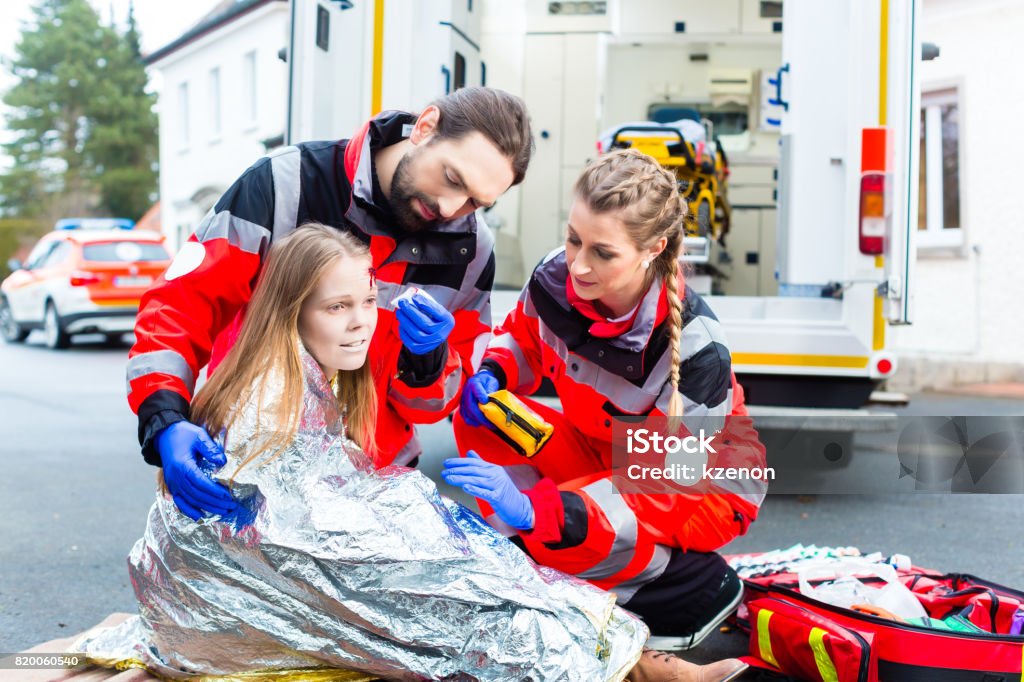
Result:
[647,199]
[269,344]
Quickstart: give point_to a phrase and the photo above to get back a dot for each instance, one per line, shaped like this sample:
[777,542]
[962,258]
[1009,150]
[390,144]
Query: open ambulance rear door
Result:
[847,207]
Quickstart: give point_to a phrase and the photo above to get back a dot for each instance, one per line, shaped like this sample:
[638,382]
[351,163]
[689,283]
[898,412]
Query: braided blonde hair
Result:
[647,198]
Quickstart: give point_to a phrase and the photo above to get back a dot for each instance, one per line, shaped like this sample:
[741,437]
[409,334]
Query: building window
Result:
[459,75]
[939,218]
[215,127]
[323,28]
[249,83]
[183,126]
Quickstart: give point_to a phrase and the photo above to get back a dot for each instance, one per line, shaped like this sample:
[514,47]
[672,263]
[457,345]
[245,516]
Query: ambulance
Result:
[817,106]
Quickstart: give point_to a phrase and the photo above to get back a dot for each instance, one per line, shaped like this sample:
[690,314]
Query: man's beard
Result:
[403,191]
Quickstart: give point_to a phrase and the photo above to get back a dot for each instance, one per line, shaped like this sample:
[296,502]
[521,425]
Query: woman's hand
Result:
[490,482]
[474,394]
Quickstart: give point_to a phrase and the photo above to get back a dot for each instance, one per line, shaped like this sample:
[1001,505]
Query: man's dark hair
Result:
[499,116]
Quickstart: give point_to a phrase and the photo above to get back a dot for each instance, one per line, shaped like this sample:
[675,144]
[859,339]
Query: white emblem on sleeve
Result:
[188,259]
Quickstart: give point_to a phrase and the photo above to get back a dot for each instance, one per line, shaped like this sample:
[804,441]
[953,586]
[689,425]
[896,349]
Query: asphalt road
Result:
[75,491]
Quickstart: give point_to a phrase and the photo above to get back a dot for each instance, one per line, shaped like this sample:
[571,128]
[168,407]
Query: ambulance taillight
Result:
[872,214]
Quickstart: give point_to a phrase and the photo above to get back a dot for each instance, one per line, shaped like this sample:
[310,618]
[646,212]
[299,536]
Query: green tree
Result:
[83,127]
[123,146]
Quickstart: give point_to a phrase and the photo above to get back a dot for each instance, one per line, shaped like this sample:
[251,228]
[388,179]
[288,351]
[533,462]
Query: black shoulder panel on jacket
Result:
[326,191]
[251,196]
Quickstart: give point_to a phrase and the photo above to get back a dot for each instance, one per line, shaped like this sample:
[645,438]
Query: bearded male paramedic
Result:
[408,186]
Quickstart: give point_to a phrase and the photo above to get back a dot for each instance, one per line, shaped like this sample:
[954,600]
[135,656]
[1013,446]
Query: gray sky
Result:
[159,23]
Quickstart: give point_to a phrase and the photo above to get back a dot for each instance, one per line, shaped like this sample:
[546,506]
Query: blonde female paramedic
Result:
[609,321]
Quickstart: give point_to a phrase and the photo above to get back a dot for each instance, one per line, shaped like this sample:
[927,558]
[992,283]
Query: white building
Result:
[222,105]
[968,326]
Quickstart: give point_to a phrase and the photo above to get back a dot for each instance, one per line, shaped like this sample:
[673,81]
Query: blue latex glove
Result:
[423,324]
[186,450]
[474,394]
[490,482]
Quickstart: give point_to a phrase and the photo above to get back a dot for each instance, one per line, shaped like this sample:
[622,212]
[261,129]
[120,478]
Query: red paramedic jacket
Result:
[192,314]
[598,379]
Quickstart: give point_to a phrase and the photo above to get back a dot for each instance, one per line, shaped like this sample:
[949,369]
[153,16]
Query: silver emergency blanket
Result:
[342,566]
